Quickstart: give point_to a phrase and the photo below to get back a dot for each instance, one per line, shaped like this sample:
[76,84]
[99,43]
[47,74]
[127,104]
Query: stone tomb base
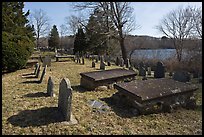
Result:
[92,80]
[156,95]
[73,121]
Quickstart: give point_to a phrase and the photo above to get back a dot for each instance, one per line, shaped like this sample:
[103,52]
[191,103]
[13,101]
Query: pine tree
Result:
[17,36]
[53,40]
[80,42]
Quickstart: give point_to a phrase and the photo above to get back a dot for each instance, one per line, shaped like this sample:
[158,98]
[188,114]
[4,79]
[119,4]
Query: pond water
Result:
[161,54]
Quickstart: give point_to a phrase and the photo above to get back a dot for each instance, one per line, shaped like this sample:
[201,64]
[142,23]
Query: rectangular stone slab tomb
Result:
[156,94]
[92,80]
[68,56]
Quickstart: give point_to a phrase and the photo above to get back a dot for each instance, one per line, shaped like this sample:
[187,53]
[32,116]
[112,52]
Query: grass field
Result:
[26,109]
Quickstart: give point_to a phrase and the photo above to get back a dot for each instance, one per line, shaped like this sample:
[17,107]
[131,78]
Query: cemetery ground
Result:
[26,109]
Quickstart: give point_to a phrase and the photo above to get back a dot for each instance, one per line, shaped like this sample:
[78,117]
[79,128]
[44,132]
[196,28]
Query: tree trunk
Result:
[122,45]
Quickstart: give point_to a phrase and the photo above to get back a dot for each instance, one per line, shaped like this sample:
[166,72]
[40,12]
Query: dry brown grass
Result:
[26,109]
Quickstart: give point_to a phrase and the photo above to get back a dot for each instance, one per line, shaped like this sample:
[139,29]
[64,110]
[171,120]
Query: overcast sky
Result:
[147,14]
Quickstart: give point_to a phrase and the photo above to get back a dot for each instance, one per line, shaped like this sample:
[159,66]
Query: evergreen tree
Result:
[54,40]
[80,42]
[17,36]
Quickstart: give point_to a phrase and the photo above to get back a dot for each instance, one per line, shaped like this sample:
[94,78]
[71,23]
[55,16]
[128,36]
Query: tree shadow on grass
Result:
[39,117]
[33,76]
[120,108]
[38,94]
[28,74]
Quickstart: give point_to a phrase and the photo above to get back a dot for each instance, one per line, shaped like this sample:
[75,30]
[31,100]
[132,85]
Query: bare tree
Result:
[41,23]
[197,20]
[120,14]
[177,25]
[63,31]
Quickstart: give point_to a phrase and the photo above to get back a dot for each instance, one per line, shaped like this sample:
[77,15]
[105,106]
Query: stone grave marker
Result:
[159,71]
[117,62]
[79,60]
[50,87]
[37,72]
[93,64]
[65,100]
[128,63]
[109,64]
[149,71]
[121,62]
[142,71]
[182,76]
[36,68]
[83,60]
[102,65]
[47,61]
[43,74]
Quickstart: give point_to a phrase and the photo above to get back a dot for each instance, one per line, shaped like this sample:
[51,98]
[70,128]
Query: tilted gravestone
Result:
[43,74]
[50,87]
[47,61]
[37,72]
[159,71]
[65,99]
[182,76]
[121,62]
[93,64]
[117,62]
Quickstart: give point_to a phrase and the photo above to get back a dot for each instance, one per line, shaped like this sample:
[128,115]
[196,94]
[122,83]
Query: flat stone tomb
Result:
[91,80]
[68,56]
[164,90]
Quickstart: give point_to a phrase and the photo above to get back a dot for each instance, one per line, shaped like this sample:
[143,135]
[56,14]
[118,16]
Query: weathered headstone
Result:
[37,72]
[142,71]
[36,68]
[65,99]
[159,71]
[182,76]
[43,74]
[121,62]
[102,65]
[83,60]
[149,71]
[79,61]
[117,62]
[93,64]
[109,64]
[47,61]
[128,63]
[50,87]
[97,59]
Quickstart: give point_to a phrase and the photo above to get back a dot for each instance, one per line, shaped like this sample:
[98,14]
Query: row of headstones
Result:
[182,76]
[65,96]
[79,60]
[37,72]
[120,62]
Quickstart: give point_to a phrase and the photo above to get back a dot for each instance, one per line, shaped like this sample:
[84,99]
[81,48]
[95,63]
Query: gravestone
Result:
[182,76]
[117,62]
[109,64]
[36,68]
[102,65]
[149,71]
[128,63]
[50,87]
[97,59]
[37,72]
[83,60]
[43,74]
[121,62]
[47,61]
[79,61]
[159,71]
[93,64]
[65,99]
[142,71]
